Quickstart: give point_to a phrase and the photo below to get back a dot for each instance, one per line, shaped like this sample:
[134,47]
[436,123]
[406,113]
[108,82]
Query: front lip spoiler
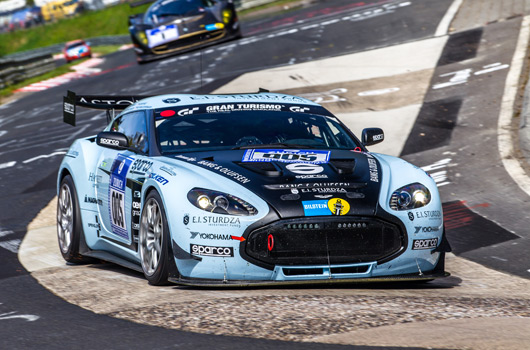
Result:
[209,283]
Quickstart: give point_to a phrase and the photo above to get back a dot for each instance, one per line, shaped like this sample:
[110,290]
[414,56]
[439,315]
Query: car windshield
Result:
[71,46]
[174,8]
[248,129]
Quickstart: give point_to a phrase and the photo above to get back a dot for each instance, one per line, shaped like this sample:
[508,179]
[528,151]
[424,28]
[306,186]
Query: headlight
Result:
[220,203]
[410,197]
[142,38]
[227,16]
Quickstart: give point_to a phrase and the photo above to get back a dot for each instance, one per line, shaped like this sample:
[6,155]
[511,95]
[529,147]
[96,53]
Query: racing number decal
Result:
[117,209]
[117,186]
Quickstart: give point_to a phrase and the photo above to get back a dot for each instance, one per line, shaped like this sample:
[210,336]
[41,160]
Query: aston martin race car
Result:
[171,26]
[243,189]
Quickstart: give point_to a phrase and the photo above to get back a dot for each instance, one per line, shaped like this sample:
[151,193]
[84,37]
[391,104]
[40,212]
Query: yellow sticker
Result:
[338,206]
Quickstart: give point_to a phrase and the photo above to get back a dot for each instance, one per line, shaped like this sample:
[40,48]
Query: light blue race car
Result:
[243,189]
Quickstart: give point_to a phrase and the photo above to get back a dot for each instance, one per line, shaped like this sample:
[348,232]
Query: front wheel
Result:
[154,241]
[69,227]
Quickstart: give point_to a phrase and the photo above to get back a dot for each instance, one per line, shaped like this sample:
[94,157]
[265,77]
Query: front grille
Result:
[189,41]
[341,240]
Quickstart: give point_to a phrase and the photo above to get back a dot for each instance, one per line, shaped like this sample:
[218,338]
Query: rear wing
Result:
[104,102]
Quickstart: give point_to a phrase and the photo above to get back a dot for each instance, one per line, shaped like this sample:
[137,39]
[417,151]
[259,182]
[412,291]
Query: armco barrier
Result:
[16,69]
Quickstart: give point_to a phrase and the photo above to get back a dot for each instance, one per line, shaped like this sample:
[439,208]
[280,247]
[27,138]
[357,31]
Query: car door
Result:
[121,174]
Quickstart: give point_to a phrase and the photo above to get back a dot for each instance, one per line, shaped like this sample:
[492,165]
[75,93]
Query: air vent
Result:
[262,168]
[343,166]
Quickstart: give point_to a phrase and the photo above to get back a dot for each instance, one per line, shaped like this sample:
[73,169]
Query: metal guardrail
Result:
[14,70]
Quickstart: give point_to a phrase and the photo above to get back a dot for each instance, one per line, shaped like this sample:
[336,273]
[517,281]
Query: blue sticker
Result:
[212,26]
[117,185]
[286,156]
[316,208]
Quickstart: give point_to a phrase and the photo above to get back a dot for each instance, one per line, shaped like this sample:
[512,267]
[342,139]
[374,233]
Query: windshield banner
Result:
[286,156]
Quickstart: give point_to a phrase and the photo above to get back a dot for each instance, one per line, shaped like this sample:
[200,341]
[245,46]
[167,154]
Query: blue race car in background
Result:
[244,189]
[172,26]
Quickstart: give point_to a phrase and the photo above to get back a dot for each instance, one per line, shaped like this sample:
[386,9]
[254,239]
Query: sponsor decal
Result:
[69,108]
[311,185]
[230,173]
[260,97]
[160,179]
[286,156]
[372,167]
[338,206]
[141,166]
[118,180]
[305,168]
[333,206]
[169,170]
[171,100]
[216,220]
[426,229]
[323,195]
[306,177]
[419,244]
[298,109]
[136,190]
[111,142]
[411,216]
[94,178]
[211,236]
[224,252]
[93,200]
[378,137]
[189,159]
[96,101]
[237,107]
[429,214]
[316,208]
[187,111]
[186,219]
[96,226]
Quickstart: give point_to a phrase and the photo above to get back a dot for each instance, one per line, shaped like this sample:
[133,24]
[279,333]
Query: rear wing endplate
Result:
[103,102]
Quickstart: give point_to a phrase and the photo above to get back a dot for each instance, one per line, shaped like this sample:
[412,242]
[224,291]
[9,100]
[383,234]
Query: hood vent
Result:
[262,168]
[343,166]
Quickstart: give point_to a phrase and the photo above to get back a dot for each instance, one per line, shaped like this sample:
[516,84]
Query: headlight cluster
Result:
[220,203]
[142,38]
[410,197]
[227,16]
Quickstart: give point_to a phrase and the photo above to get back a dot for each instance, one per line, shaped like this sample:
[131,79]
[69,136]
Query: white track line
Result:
[504,128]
[443,27]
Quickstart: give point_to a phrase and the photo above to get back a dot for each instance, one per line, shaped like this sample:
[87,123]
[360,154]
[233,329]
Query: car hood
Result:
[346,183]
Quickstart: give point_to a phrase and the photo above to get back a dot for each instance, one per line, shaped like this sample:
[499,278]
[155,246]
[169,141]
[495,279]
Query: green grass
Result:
[109,21]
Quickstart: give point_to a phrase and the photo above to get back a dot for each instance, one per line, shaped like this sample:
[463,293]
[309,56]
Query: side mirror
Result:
[112,139]
[372,136]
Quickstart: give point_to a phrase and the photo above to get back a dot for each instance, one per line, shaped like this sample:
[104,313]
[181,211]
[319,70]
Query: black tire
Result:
[156,254]
[69,225]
